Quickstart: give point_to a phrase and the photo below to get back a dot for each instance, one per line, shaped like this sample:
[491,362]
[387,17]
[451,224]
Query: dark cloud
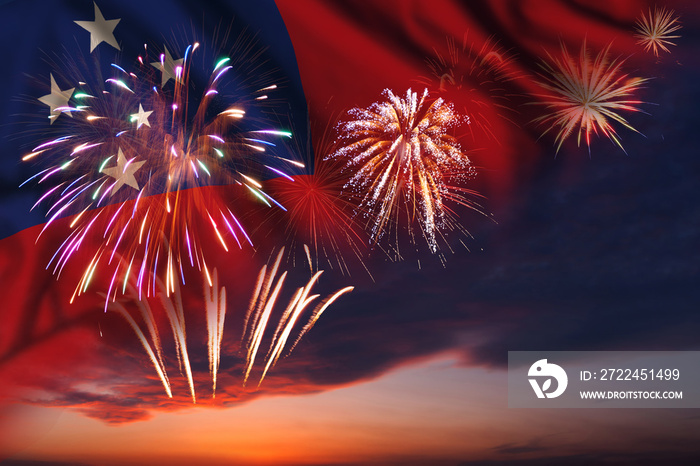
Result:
[518,448]
[617,459]
[659,458]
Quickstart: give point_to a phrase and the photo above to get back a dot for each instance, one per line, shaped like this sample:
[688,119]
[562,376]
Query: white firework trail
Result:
[215,303]
[261,325]
[176,316]
[316,314]
[262,289]
[157,363]
[264,303]
[300,301]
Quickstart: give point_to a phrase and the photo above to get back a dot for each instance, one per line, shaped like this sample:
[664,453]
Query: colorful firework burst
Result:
[125,160]
[403,162]
[475,78]
[586,95]
[656,30]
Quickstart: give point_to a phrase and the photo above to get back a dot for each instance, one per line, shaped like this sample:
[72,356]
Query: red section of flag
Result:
[349,51]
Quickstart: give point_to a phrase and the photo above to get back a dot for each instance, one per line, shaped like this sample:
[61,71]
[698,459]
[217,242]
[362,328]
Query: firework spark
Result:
[124,163]
[261,308]
[656,30]
[586,95]
[402,161]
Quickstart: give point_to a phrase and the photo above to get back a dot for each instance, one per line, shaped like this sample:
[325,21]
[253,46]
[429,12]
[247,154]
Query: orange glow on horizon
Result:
[436,410]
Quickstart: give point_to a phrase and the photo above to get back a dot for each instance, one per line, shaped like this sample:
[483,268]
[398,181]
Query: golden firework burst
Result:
[403,163]
[586,96]
[656,30]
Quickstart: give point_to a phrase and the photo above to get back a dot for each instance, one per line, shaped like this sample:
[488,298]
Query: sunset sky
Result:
[573,251]
[432,411]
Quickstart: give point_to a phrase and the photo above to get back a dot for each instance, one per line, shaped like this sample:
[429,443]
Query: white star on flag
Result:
[169,67]
[57,99]
[101,30]
[141,118]
[123,172]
